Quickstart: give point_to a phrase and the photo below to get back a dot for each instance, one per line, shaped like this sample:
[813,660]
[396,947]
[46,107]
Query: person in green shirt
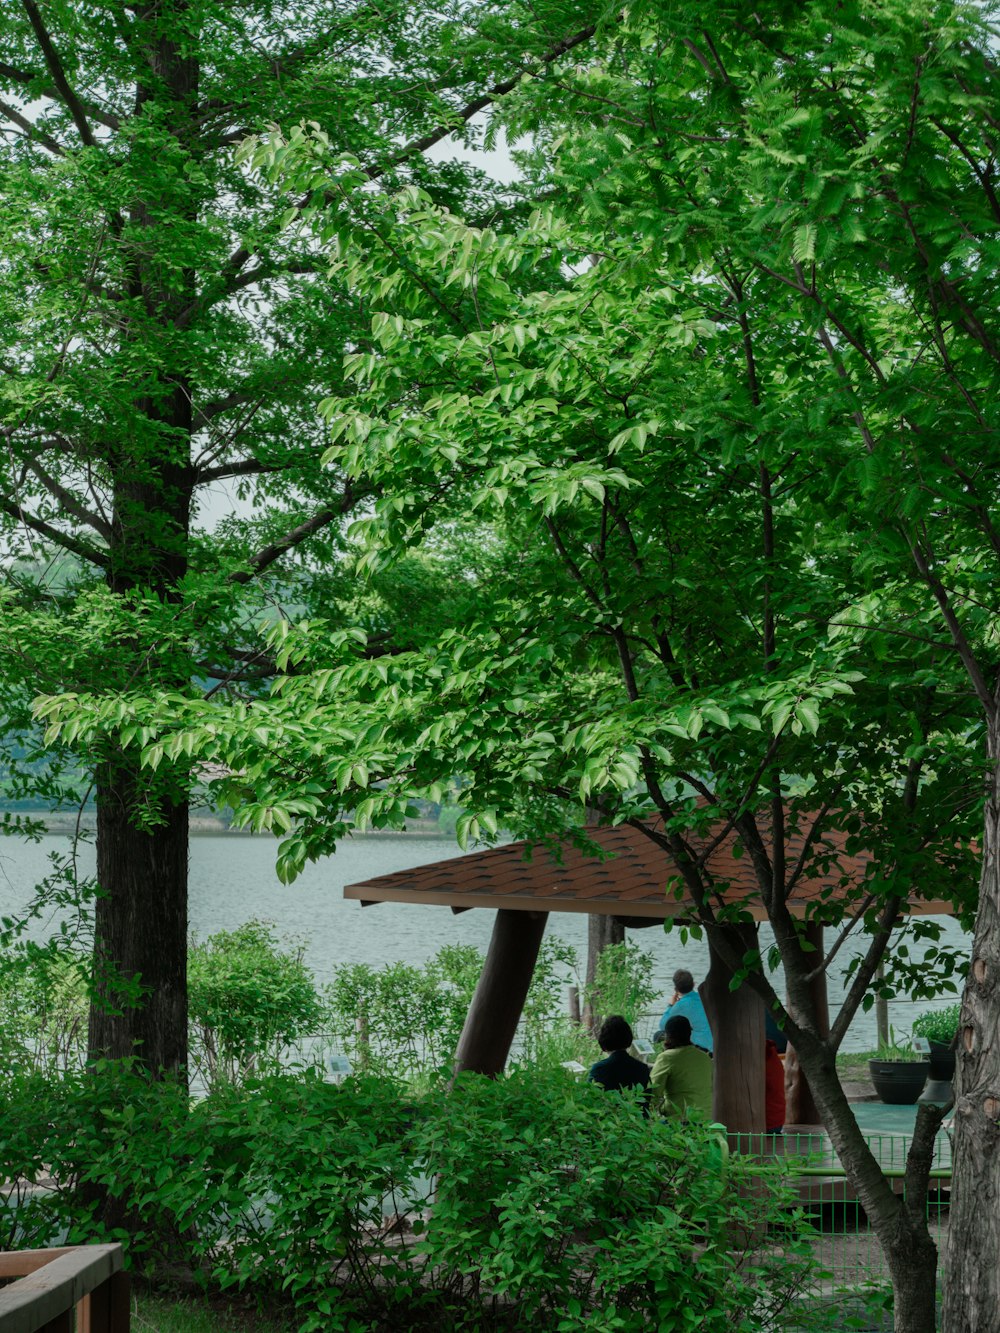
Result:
[681,1080]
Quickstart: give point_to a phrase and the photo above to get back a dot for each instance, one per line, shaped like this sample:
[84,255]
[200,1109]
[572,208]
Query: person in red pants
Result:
[774,1089]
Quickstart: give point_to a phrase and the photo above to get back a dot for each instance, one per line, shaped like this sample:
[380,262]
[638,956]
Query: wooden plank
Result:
[37,1302]
[62,1323]
[19,1263]
[108,1309]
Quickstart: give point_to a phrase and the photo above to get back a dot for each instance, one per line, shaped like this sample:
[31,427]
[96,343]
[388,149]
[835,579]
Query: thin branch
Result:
[28,76]
[267,555]
[964,648]
[247,467]
[68,500]
[841,939]
[807,844]
[473,108]
[572,566]
[72,103]
[39,525]
[31,131]
[891,913]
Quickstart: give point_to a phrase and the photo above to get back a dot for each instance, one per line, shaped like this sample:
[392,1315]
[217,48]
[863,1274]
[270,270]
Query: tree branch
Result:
[31,131]
[888,921]
[28,76]
[962,645]
[267,555]
[63,539]
[68,500]
[473,108]
[54,65]
[242,254]
[247,467]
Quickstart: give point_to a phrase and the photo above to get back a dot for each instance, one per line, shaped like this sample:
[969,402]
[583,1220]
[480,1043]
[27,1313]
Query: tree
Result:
[726,405]
[165,329]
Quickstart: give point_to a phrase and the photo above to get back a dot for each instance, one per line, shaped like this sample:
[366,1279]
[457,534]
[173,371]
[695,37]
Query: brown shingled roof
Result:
[640,880]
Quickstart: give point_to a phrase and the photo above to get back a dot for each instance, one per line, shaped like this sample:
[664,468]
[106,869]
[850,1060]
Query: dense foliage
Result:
[255,1008]
[249,997]
[555,1205]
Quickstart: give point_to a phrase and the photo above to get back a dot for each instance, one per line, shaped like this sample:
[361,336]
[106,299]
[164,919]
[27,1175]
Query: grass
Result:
[155,1312]
[852,1066]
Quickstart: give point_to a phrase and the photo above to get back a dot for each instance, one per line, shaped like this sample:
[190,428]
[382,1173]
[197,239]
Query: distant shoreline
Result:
[207,826]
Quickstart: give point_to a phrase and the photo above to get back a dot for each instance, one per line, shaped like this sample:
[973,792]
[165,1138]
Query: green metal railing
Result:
[852,1290]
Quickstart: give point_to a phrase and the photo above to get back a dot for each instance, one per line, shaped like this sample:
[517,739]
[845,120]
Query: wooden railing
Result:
[54,1285]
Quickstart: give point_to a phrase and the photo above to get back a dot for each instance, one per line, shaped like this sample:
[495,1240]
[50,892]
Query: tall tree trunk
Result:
[800,1105]
[972,1286]
[140,929]
[140,936]
[602,931]
[899,1222]
[141,921]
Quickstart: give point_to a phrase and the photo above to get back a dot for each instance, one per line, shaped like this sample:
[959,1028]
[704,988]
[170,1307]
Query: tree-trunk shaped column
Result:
[737,1021]
[500,993]
[602,931]
[800,1107]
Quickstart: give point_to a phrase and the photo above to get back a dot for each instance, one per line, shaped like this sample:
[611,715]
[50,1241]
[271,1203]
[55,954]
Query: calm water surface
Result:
[233,881]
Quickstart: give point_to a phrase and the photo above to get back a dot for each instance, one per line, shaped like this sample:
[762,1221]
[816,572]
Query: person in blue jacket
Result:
[686,1003]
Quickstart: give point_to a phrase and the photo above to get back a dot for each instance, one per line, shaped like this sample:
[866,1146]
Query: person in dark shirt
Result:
[619,1070]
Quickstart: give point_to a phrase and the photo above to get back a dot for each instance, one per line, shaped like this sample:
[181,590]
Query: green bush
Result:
[43,1007]
[526,1201]
[938,1024]
[249,997]
[405,1021]
[623,982]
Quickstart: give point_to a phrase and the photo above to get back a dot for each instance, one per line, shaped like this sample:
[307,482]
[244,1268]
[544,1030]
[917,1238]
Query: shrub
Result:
[623,982]
[249,997]
[554,1204]
[938,1024]
[43,1007]
[405,1021]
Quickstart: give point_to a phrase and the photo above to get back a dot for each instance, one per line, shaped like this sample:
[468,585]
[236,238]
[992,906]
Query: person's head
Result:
[683,981]
[677,1032]
[615,1034]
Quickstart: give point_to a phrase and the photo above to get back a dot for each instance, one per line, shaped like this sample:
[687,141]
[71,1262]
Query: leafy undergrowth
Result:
[529,1201]
[158,1312]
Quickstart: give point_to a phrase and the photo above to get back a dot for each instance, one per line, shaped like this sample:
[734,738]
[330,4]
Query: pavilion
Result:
[634,881]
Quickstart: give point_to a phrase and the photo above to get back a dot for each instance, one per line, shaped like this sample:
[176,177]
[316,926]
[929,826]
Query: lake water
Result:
[233,881]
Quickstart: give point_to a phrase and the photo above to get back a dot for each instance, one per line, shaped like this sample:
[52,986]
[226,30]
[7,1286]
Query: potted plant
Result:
[939,1027]
[897,1075]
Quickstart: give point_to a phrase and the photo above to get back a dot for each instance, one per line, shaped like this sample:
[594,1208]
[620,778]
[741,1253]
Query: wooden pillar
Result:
[601,931]
[737,1021]
[800,1108]
[500,992]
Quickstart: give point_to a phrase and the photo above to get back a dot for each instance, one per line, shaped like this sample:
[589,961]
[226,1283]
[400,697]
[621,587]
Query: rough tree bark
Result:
[899,1222]
[140,930]
[972,1286]
[800,1105]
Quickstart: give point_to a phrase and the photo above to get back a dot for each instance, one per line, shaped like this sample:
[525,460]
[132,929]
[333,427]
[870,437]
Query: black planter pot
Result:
[899,1082]
[942,1061]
